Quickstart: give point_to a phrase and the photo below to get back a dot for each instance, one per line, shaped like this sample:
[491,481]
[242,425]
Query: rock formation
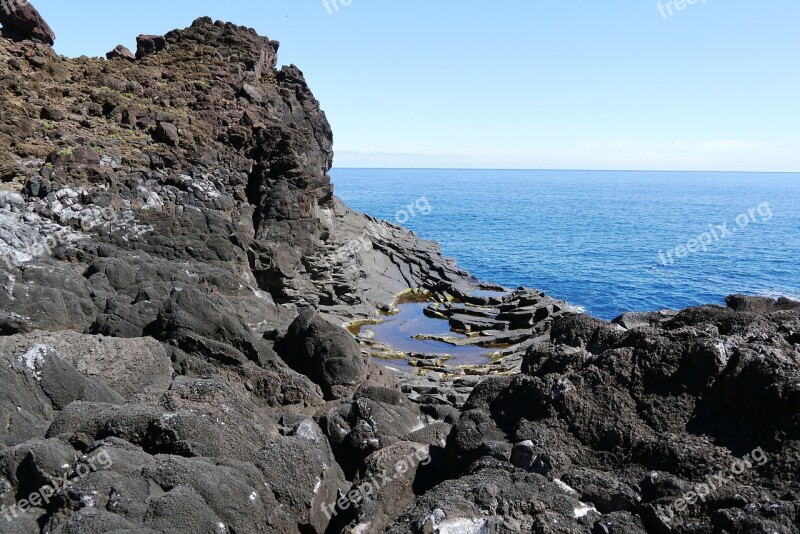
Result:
[20,21]
[176,271]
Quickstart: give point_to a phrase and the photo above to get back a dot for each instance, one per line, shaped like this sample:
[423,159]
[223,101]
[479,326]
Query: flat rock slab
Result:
[471,323]
[128,366]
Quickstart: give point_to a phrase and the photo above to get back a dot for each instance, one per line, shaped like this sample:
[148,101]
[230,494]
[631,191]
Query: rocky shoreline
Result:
[177,279]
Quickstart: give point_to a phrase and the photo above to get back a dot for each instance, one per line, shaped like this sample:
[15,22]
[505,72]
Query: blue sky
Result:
[517,83]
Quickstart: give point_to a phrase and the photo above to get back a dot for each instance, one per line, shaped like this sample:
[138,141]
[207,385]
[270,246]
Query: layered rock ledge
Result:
[176,277]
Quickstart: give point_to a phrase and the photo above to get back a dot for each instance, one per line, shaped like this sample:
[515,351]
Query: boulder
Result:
[586,332]
[377,417]
[327,354]
[630,320]
[167,133]
[301,471]
[236,493]
[495,497]
[21,21]
[474,435]
[206,324]
[24,407]
[383,489]
[197,417]
[61,381]
[121,52]
[52,113]
[130,367]
[149,44]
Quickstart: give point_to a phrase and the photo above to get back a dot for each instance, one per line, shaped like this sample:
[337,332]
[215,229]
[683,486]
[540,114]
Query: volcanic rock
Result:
[21,21]
[177,301]
[149,44]
[121,52]
[328,355]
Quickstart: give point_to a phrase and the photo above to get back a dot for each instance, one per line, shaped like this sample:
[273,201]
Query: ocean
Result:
[606,241]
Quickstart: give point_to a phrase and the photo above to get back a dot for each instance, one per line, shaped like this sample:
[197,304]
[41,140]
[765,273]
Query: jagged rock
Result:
[149,44]
[760,304]
[383,489]
[21,21]
[121,52]
[214,241]
[302,472]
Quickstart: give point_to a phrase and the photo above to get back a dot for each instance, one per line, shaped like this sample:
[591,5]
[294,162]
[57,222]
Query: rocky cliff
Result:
[176,271]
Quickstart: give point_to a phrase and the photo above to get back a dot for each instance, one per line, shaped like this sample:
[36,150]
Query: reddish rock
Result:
[121,52]
[52,113]
[149,44]
[21,21]
[167,133]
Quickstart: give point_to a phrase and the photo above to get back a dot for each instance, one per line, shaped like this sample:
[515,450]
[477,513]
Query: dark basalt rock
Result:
[21,21]
[121,52]
[149,44]
[760,304]
[645,404]
[162,235]
[167,133]
[376,418]
[327,354]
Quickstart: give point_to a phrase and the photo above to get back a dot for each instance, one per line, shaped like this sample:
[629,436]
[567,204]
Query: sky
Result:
[568,84]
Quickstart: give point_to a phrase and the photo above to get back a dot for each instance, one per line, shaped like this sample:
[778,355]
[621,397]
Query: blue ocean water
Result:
[607,241]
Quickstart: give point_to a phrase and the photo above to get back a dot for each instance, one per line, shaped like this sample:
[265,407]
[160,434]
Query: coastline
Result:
[196,339]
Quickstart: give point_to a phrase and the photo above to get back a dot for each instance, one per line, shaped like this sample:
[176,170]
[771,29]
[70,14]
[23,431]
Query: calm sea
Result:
[608,241]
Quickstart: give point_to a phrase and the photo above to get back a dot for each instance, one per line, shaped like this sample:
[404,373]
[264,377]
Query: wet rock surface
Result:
[176,276]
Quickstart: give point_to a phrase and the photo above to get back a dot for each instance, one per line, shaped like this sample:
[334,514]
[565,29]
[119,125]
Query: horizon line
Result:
[553,170]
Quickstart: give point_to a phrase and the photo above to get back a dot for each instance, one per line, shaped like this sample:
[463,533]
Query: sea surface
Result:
[606,241]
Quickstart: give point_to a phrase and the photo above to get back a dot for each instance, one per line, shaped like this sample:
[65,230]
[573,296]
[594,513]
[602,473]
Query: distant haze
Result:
[517,84]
